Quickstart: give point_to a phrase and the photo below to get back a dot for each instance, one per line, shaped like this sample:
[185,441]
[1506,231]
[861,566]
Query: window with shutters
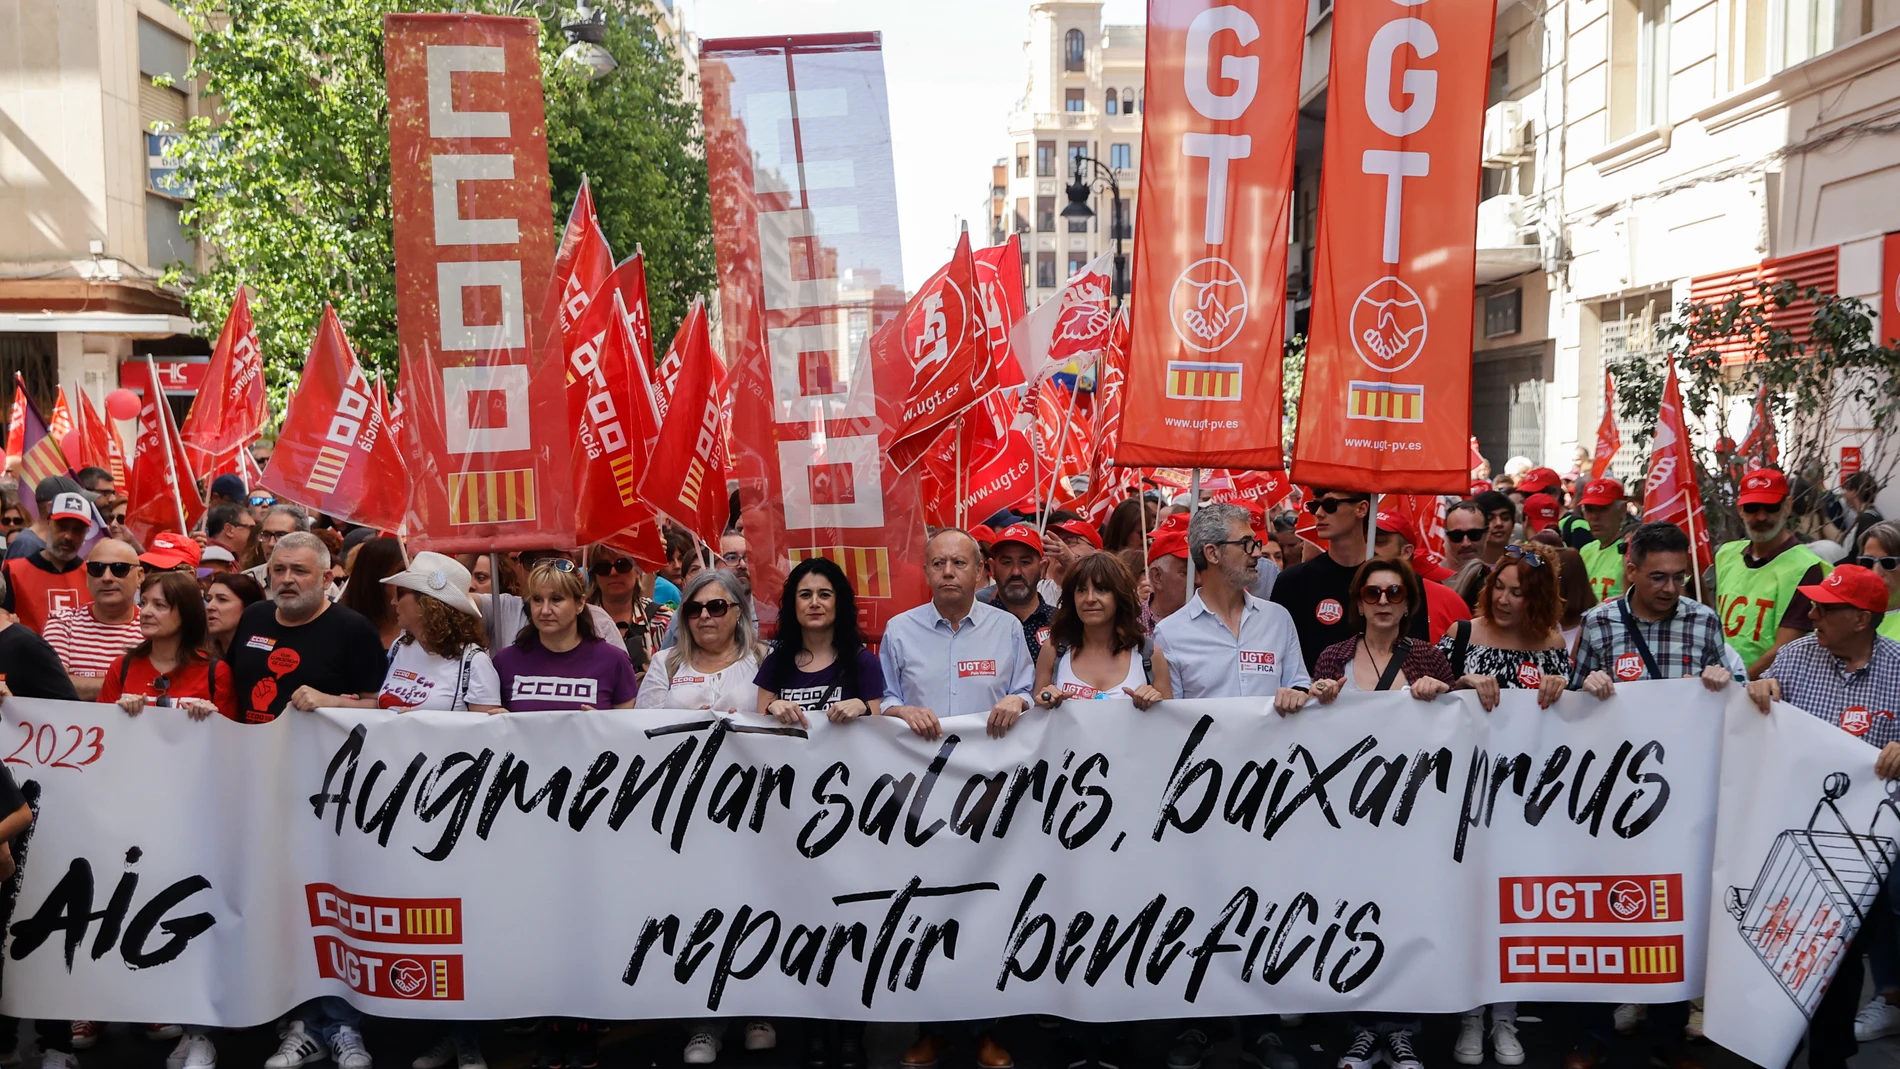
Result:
[1110,102]
[1631,327]
[1074,100]
[1819,269]
[1045,159]
[1075,52]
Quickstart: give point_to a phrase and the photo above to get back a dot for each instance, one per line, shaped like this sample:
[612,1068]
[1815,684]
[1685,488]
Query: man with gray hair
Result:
[1226,643]
[281,519]
[295,639]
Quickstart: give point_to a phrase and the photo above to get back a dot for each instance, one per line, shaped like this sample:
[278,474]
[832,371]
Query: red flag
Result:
[62,422]
[229,411]
[163,491]
[1477,458]
[16,422]
[1264,488]
[615,422]
[1426,512]
[1061,455]
[583,261]
[940,346]
[1387,392]
[1106,481]
[1759,446]
[999,289]
[686,477]
[1609,438]
[334,453]
[99,443]
[1069,331]
[1670,493]
[1001,481]
[632,282]
[1219,129]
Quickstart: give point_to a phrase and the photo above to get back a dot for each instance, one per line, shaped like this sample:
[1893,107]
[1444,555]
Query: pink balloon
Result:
[122,404]
[70,445]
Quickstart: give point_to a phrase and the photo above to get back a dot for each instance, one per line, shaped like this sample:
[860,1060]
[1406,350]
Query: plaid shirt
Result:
[1035,625]
[1862,703]
[1684,643]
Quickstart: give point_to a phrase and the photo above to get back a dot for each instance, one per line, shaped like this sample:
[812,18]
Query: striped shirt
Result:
[86,646]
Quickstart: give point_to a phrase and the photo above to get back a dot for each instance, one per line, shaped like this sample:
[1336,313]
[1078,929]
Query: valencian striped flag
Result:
[40,457]
[1390,402]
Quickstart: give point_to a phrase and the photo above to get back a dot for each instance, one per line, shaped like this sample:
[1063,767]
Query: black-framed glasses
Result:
[736,557]
[1761,508]
[1329,504]
[716,608]
[119,568]
[1885,564]
[1471,534]
[1249,544]
[1519,553]
[1392,593]
[617,566]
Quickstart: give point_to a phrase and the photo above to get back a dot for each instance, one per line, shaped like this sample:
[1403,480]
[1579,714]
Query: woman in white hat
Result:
[439,659]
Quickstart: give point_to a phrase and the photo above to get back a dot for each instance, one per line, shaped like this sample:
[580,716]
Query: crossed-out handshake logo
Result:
[401,963]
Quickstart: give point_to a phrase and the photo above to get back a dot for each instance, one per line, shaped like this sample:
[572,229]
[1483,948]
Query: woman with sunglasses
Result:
[1880,554]
[1095,640]
[1380,656]
[718,655]
[640,621]
[12,517]
[819,665]
[561,649]
[227,595]
[1513,640]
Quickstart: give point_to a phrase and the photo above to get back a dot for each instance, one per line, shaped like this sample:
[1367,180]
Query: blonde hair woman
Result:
[570,665]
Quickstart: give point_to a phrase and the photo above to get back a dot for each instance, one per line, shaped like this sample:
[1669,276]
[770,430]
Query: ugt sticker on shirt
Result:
[1629,667]
[1262,661]
[966,669]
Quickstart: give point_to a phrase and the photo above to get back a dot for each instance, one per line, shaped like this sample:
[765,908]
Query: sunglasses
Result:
[1885,564]
[1758,508]
[1525,556]
[12,521]
[716,608]
[97,568]
[1470,534]
[263,500]
[1380,595]
[618,566]
[559,564]
[117,517]
[1328,504]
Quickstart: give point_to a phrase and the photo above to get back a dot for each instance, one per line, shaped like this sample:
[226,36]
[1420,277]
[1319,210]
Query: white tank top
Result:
[1073,687]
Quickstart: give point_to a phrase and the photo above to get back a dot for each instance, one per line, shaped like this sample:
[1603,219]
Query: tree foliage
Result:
[291,168]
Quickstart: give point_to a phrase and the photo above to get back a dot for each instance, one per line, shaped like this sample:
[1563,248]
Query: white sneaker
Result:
[470,1057]
[1629,1017]
[1505,1049]
[58,1059]
[1693,1029]
[196,1052]
[347,1049]
[1469,1049]
[1876,1019]
[437,1056]
[760,1035]
[85,1034]
[1362,1052]
[298,1047]
[702,1049]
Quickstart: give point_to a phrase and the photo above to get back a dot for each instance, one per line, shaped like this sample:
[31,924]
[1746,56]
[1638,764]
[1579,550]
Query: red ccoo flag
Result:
[334,453]
[613,414]
[1671,493]
[631,280]
[583,262]
[1609,438]
[163,495]
[98,443]
[229,412]
[686,476]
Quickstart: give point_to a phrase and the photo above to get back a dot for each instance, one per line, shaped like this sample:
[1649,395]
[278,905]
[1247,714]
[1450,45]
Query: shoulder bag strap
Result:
[1636,636]
[1460,643]
[1391,674]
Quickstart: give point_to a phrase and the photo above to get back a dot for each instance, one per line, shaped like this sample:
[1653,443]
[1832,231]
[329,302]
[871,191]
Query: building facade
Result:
[1083,98]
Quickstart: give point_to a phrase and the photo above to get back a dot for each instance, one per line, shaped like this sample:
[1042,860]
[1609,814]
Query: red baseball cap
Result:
[169,550]
[1167,544]
[1763,486]
[1540,512]
[984,534]
[1479,486]
[1850,584]
[1393,523]
[1020,533]
[1082,529]
[1173,521]
[1603,492]
[1537,480]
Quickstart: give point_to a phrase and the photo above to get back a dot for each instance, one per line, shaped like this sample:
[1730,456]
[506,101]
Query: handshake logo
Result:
[1208,305]
[1388,325]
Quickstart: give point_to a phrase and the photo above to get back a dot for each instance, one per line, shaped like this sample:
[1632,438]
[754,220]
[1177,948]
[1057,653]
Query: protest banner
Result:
[1200,859]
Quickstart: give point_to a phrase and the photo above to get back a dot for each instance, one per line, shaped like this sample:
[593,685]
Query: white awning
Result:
[131,324]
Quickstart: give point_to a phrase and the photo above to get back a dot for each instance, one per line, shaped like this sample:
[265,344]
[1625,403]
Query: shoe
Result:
[922,1054]
[194,1051]
[58,1059]
[469,1057]
[1293,1020]
[1398,1051]
[1188,1050]
[1629,1017]
[817,1052]
[85,1034]
[1362,1052]
[850,1046]
[1505,1048]
[437,1056]
[298,1047]
[1266,1051]
[702,1049]
[991,1055]
[160,1032]
[1469,1047]
[1583,1056]
[760,1035]
[1693,1029]
[347,1050]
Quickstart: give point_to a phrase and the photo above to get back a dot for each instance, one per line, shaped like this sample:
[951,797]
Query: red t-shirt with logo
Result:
[34,594]
[198,679]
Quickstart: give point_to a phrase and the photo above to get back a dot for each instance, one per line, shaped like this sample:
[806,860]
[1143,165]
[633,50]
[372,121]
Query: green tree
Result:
[291,170]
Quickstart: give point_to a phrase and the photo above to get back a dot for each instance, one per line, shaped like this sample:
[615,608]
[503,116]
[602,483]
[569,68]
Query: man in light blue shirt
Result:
[955,655]
[1226,643]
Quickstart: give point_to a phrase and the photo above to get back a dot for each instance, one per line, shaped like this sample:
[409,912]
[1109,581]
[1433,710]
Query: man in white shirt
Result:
[955,655]
[1226,643]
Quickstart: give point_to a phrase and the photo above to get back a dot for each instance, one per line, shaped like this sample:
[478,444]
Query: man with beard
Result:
[1464,534]
[1015,561]
[50,579]
[297,642]
[1758,580]
[1226,643]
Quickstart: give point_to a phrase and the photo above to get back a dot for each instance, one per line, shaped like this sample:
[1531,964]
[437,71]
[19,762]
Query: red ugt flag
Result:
[941,345]
[229,412]
[1609,438]
[1670,493]
[163,495]
[686,477]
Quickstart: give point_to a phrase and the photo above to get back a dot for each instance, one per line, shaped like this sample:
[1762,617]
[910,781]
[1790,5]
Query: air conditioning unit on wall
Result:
[1504,134]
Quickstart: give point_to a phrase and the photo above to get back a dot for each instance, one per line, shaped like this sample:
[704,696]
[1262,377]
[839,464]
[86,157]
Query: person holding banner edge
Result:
[819,663]
[1226,643]
[1094,647]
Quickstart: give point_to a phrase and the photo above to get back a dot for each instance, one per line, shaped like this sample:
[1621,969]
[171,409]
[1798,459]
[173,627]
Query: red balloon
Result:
[122,404]
[70,445]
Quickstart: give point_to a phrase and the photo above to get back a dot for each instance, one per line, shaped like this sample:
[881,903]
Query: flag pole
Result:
[1695,559]
[1372,526]
[165,442]
[1194,506]
[959,477]
[1055,474]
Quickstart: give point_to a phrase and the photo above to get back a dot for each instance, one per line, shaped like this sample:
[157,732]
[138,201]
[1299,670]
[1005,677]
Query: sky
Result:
[953,70]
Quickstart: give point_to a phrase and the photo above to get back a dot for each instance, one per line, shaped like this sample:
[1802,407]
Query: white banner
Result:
[1200,859]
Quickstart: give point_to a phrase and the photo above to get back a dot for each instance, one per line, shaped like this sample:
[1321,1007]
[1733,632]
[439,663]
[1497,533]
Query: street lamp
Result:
[585,32]
[1081,187]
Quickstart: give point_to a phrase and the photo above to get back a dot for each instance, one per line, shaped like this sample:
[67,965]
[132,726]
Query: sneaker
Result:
[85,1034]
[194,1051]
[1469,1048]
[158,1033]
[1398,1051]
[1505,1048]
[760,1035]
[1876,1019]
[58,1059]
[1693,1029]
[437,1056]
[1188,1050]
[347,1049]
[1629,1018]
[298,1047]
[702,1049]
[1266,1051]
[1362,1052]
[469,1057]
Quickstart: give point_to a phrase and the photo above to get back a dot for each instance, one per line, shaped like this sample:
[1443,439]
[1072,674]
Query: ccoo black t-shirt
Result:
[339,652]
[1315,592]
[817,691]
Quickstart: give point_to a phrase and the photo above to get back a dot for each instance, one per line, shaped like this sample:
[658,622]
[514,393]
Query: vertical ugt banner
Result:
[1218,136]
[1386,405]
[483,388]
[798,149]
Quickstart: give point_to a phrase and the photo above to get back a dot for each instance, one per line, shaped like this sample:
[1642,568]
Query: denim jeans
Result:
[323,1016]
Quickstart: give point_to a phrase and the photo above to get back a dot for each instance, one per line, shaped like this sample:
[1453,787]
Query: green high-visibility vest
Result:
[1890,624]
[1751,601]
[1604,565]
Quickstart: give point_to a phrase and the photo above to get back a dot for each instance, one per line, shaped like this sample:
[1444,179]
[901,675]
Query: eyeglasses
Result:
[97,568]
[1885,564]
[1329,504]
[1759,508]
[1249,544]
[1525,556]
[263,500]
[619,565]
[1466,534]
[717,608]
[1380,595]
[736,557]
[12,521]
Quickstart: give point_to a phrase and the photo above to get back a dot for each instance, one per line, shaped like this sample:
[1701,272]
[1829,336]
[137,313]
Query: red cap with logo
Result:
[1082,529]
[1538,480]
[1020,533]
[169,550]
[1763,486]
[1394,523]
[1167,544]
[1540,512]
[984,534]
[1603,492]
[1173,521]
[1850,584]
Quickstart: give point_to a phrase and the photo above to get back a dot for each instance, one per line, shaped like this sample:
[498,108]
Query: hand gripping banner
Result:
[798,152]
[1386,404]
[1217,142]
